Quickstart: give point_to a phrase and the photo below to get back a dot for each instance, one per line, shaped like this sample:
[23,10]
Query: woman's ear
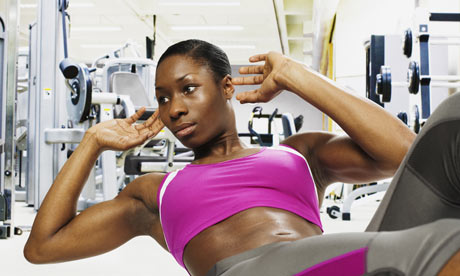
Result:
[228,87]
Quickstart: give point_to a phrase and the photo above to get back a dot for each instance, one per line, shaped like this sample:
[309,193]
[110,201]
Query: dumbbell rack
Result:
[424,38]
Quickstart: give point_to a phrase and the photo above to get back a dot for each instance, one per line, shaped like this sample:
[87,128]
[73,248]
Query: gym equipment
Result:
[403,117]
[264,140]
[375,58]
[79,100]
[383,84]
[56,121]
[422,19]
[298,122]
[408,41]
[334,211]
[47,103]
[414,80]
[416,116]
[68,68]
[8,87]
[289,126]
[273,134]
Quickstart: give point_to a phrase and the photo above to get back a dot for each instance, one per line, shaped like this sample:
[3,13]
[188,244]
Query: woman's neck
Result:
[216,149]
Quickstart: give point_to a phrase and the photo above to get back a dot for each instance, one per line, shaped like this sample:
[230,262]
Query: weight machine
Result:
[271,135]
[8,40]
[67,98]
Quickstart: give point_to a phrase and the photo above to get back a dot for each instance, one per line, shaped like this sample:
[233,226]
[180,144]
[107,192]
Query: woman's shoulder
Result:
[305,142]
[145,188]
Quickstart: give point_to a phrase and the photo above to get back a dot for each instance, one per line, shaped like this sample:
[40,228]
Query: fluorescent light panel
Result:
[201,4]
[28,6]
[100,46]
[80,5]
[207,28]
[96,29]
[71,5]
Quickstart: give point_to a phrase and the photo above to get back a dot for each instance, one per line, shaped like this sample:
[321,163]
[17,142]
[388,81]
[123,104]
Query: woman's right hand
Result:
[123,134]
[267,75]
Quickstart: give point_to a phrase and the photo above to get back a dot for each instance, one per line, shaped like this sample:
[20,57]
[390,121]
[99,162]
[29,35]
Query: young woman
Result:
[255,211]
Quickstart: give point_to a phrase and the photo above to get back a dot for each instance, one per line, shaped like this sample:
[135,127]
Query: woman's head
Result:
[203,53]
[194,89]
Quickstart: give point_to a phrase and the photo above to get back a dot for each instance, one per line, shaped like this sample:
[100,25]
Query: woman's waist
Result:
[244,231]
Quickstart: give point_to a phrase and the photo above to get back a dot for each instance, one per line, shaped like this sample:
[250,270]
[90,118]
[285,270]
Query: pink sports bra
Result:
[199,196]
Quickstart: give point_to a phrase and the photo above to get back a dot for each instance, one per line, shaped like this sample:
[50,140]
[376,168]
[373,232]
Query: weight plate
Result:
[413,77]
[403,117]
[386,81]
[407,44]
[383,84]
[416,116]
[79,97]
[378,84]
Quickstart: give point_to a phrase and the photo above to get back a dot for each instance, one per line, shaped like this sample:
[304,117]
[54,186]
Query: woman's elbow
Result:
[33,254]
[30,255]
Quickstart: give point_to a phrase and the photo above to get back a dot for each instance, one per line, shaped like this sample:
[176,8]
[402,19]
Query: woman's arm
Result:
[59,234]
[376,142]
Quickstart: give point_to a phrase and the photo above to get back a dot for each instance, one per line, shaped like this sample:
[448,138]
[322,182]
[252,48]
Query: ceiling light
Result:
[28,6]
[71,5]
[96,29]
[100,46]
[81,5]
[201,4]
[207,28]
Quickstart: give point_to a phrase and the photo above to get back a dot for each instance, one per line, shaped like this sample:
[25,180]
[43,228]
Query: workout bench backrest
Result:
[127,83]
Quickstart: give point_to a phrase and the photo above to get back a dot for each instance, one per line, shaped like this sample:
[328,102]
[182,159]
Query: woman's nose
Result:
[178,108]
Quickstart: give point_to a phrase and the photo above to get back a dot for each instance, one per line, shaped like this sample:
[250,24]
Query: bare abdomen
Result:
[244,231]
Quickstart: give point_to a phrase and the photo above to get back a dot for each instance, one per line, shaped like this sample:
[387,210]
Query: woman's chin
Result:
[191,142]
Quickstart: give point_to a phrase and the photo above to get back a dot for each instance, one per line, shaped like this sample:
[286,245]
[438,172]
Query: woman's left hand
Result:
[123,134]
[267,76]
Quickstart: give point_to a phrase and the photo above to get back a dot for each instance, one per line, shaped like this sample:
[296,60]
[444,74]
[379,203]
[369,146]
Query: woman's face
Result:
[192,105]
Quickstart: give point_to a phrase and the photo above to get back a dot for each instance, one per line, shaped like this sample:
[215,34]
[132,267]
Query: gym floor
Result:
[142,255]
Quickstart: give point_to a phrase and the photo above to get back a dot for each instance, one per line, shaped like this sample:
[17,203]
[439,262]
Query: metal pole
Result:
[45,163]
[10,126]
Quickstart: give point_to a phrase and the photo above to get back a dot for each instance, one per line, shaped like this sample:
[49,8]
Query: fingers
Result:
[145,134]
[135,116]
[135,140]
[258,69]
[251,80]
[155,116]
[258,58]
[156,127]
[249,97]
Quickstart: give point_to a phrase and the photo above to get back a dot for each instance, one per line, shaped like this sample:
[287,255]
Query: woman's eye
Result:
[189,89]
[162,100]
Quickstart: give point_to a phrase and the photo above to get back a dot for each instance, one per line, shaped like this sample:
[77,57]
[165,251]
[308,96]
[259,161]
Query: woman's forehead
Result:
[179,61]
[180,67]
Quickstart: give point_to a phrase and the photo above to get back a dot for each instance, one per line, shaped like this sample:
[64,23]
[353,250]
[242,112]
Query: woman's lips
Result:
[185,131]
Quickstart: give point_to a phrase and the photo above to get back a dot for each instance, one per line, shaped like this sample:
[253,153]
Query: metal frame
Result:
[3,208]
[346,206]
[47,107]
[8,126]
[32,107]
[48,132]
[375,59]
[422,19]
